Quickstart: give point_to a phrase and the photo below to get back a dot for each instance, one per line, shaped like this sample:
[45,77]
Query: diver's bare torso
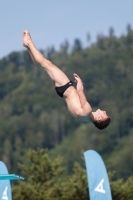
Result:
[74,106]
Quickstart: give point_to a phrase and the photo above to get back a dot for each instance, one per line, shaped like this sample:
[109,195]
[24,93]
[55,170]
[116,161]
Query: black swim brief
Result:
[60,90]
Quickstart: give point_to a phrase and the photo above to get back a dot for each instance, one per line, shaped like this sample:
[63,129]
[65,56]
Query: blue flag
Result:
[99,187]
[5,187]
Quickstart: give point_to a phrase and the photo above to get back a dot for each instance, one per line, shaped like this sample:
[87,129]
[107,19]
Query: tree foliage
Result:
[45,180]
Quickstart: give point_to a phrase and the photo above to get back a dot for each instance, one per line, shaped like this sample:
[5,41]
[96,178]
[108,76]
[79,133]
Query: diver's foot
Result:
[26,39]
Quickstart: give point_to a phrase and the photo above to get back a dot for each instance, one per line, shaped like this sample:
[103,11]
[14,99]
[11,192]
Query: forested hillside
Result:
[32,115]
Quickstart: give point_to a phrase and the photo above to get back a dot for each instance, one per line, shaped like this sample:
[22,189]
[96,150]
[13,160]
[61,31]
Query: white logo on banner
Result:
[5,197]
[99,188]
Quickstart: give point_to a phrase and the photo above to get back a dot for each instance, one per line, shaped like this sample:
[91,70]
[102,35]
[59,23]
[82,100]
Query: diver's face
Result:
[101,115]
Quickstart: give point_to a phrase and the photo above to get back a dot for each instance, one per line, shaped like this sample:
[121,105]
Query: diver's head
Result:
[100,119]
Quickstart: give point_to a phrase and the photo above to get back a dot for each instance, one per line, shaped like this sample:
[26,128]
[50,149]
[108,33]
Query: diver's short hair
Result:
[103,123]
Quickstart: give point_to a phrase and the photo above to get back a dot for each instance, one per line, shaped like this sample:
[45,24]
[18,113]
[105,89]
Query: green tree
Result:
[45,179]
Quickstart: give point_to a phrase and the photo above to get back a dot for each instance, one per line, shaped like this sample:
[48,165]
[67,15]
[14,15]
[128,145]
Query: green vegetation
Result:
[32,115]
[45,181]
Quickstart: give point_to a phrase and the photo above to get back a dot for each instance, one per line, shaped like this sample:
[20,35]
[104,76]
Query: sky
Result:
[51,22]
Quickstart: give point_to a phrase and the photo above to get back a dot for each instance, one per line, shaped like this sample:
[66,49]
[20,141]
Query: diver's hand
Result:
[78,81]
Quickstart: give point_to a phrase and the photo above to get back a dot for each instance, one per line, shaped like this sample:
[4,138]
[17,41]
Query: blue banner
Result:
[5,187]
[99,187]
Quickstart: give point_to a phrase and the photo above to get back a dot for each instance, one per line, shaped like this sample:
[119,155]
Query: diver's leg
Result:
[54,72]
